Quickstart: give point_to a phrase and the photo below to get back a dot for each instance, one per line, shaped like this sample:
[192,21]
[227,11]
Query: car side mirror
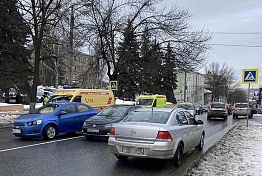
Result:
[200,122]
[62,112]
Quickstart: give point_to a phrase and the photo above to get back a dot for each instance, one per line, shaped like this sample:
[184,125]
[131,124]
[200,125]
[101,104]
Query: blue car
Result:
[53,119]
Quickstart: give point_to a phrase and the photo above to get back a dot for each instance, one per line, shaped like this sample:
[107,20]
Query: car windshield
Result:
[241,105]
[145,102]
[47,109]
[217,105]
[186,106]
[148,116]
[114,111]
[60,98]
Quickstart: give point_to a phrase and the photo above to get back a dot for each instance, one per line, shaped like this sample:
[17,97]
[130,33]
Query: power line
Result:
[236,33]
[228,33]
[236,45]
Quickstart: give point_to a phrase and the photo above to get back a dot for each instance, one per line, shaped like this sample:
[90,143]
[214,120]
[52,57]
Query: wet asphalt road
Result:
[75,156]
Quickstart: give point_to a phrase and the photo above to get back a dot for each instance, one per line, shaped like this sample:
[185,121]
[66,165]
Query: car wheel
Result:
[201,143]
[89,137]
[121,157]
[178,155]
[50,132]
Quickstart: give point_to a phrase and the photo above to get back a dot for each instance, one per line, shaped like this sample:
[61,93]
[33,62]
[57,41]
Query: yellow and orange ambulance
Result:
[97,98]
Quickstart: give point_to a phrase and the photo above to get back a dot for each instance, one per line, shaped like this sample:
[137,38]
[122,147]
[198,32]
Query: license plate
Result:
[138,151]
[93,130]
[16,131]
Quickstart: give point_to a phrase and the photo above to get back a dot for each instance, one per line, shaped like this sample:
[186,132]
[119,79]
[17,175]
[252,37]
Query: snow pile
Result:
[238,153]
[37,105]
[123,102]
[7,118]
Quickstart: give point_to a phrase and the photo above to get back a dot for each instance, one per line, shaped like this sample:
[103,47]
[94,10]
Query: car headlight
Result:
[35,122]
[109,125]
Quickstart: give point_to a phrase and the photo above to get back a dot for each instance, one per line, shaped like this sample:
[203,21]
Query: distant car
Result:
[198,108]
[189,107]
[242,109]
[254,109]
[259,109]
[217,109]
[53,119]
[161,133]
[100,124]
[205,108]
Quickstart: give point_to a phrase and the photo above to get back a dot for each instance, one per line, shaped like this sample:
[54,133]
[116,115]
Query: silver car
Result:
[162,133]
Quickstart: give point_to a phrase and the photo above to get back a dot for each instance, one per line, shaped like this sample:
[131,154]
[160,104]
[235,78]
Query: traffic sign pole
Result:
[248,103]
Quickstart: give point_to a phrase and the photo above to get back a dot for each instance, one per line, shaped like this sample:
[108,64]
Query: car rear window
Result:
[186,106]
[114,111]
[148,116]
[217,105]
[241,105]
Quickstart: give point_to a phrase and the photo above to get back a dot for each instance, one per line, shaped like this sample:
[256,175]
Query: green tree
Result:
[128,64]
[14,65]
[169,74]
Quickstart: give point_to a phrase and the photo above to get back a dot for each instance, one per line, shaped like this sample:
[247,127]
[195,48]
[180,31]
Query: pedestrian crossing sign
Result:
[113,85]
[250,76]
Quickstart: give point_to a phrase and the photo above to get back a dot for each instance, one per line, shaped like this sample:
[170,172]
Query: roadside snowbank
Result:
[238,153]
[7,119]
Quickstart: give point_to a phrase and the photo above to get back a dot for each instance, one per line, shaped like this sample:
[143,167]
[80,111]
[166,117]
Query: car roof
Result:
[217,103]
[158,109]
[68,103]
[241,103]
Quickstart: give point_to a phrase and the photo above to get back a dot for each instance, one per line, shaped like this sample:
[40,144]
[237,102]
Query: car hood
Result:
[29,117]
[103,119]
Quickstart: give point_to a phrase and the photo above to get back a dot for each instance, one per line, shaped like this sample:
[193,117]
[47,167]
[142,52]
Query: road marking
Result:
[43,143]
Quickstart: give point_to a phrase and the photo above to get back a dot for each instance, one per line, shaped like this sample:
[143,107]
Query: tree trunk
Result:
[35,80]
[6,95]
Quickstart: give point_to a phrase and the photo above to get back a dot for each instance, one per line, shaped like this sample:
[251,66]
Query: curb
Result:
[208,149]
[4,126]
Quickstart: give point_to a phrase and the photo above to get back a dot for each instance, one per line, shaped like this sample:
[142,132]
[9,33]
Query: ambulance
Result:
[97,98]
[152,101]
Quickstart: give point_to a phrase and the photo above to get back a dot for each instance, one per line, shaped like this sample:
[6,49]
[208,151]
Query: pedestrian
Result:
[45,98]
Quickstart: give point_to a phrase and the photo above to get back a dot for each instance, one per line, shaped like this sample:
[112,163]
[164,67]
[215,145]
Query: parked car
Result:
[53,119]
[161,133]
[189,107]
[259,109]
[100,124]
[199,109]
[217,109]
[242,109]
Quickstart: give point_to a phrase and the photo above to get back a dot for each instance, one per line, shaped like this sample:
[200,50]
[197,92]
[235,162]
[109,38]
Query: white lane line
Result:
[43,143]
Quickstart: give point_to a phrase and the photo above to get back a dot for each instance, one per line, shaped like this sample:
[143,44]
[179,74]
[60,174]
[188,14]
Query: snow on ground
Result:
[7,119]
[122,102]
[37,105]
[238,153]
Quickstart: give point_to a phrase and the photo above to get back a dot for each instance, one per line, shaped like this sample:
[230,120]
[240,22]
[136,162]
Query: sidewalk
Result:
[238,153]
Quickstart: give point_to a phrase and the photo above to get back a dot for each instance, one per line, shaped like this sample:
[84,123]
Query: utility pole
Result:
[71,44]
[196,98]
[185,88]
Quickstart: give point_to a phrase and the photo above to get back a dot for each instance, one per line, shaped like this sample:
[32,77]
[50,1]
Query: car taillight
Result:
[112,131]
[164,135]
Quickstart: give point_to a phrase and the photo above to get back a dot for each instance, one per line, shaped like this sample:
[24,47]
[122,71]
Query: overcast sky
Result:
[229,16]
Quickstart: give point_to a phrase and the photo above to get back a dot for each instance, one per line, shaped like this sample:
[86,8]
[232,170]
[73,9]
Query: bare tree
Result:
[41,16]
[104,22]
[222,80]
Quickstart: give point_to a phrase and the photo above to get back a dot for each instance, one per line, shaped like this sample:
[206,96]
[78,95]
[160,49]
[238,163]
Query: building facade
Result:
[190,88]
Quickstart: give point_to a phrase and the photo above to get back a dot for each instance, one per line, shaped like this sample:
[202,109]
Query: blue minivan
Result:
[53,119]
